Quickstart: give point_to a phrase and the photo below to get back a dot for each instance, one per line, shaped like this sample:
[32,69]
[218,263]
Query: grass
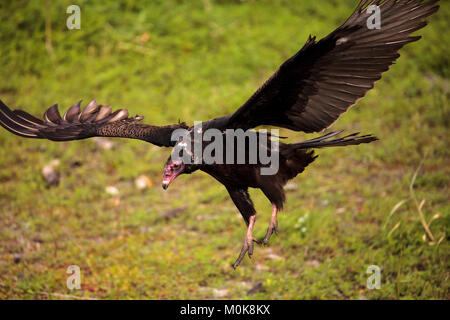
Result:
[195,60]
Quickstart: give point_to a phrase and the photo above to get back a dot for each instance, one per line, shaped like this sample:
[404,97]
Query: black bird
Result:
[307,93]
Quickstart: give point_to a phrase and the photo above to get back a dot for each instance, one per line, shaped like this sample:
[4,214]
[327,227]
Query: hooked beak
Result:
[167,182]
[168,178]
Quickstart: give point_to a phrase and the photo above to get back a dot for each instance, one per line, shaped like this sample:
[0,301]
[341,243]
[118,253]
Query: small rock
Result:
[50,174]
[146,229]
[220,293]
[17,258]
[272,256]
[340,210]
[38,239]
[112,190]
[291,186]
[244,284]
[261,267]
[360,199]
[313,263]
[205,217]
[173,213]
[205,290]
[103,143]
[76,164]
[337,293]
[257,288]
[143,182]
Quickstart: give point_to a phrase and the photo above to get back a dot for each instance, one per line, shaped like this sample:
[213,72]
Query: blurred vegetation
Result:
[194,60]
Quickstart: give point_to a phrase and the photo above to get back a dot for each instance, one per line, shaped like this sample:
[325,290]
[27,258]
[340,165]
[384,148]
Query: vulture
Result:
[307,93]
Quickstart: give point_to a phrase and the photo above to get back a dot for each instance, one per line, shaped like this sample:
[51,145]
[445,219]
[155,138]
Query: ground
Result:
[194,60]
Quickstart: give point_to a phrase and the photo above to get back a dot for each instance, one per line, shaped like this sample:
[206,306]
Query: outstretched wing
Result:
[93,121]
[325,78]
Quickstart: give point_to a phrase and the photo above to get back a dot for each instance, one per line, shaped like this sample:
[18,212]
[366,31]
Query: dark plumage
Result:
[307,93]
[94,121]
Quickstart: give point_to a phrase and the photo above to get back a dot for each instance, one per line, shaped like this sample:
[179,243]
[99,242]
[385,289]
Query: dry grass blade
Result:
[393,229]
[394,209]
[419,206]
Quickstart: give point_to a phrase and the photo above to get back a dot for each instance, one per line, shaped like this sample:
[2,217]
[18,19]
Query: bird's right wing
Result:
[93,121]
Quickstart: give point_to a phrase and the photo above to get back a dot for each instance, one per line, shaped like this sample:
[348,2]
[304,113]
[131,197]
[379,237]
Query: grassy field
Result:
[194,60]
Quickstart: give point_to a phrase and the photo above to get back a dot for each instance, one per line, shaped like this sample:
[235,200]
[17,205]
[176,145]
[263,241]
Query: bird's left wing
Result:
[325,78]
[93,121]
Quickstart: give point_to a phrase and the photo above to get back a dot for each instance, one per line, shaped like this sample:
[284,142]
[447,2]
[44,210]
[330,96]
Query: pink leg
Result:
[248,242]
[273,226]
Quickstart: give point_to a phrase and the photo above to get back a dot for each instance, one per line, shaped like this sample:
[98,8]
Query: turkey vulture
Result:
[307,93]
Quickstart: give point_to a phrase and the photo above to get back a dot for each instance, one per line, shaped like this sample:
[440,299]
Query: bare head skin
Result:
[172,169]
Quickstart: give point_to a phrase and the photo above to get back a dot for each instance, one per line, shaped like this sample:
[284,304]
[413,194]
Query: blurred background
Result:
[99,204]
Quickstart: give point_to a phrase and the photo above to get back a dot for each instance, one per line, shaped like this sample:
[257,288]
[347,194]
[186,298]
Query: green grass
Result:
[196,60]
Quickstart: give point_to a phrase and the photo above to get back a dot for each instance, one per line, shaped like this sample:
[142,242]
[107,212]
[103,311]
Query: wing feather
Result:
[325,78]
[93,120]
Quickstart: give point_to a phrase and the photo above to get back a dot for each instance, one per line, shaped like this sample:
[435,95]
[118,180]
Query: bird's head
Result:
[172,169]
[182,160]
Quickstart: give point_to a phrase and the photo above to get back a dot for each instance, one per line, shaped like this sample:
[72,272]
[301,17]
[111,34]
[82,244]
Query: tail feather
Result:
[323,141]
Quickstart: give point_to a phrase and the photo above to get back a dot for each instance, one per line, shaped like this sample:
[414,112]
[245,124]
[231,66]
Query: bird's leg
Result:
[248,242]
[273,226]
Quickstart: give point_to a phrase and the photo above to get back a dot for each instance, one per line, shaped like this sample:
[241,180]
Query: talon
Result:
[247,247]
[273,226]
[267,237]
[257,241]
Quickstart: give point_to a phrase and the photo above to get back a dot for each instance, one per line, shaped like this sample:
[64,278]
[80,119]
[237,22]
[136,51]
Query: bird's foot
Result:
[247,247]
[273,226]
